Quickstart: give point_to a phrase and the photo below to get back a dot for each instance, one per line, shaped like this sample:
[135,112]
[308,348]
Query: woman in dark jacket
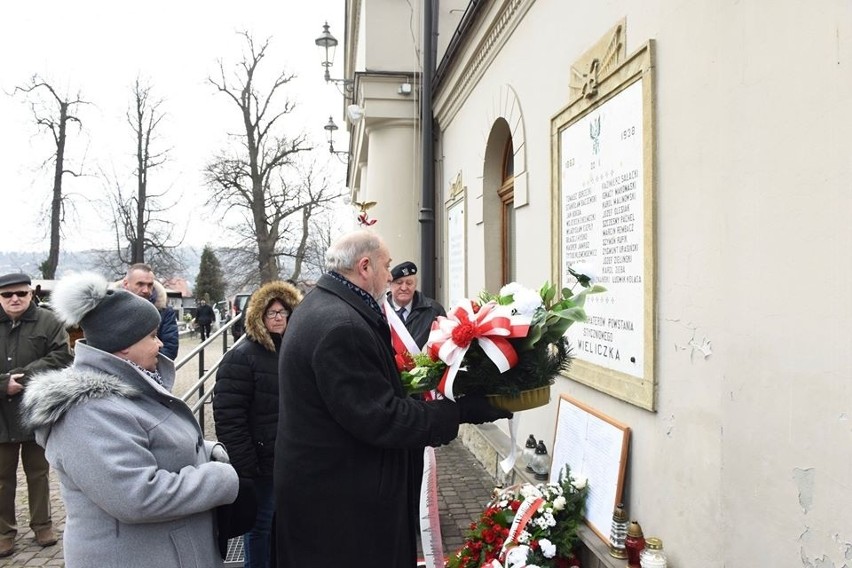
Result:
[245,405]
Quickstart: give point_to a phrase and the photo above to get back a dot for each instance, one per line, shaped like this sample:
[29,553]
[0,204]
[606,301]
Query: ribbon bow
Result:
[490,325]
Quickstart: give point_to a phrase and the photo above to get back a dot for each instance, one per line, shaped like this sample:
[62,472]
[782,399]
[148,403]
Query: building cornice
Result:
[468,63]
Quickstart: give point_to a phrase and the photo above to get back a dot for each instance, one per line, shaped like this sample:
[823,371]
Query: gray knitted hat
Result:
[111,320]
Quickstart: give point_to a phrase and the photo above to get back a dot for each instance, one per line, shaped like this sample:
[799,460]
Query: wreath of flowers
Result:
[501,343]
[531,526]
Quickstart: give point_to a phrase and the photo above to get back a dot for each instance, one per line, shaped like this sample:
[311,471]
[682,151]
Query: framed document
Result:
[593,446]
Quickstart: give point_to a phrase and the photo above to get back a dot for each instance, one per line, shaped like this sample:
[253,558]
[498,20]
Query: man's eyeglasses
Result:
[271,314]
[18,293]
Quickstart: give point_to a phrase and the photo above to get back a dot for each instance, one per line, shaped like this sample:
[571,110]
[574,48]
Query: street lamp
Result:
[330,128]
[327,44]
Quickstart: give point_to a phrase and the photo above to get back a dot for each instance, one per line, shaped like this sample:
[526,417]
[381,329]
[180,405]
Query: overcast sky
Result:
[98,48]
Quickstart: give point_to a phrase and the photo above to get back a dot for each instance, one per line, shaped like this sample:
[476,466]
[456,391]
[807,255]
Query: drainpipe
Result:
[427,154]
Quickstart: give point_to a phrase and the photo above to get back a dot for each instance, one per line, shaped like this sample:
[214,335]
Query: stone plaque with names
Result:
[456,244]
[602,176]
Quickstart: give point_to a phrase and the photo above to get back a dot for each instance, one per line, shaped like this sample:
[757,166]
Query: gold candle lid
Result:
[653,543]
[634,530]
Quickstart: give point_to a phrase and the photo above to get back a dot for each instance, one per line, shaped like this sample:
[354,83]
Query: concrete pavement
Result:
[464,488]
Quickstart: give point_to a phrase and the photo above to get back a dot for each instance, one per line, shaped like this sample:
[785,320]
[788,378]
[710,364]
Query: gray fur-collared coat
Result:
[135,472]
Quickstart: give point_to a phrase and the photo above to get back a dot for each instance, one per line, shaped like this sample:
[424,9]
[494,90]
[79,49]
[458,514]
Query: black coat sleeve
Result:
[354,378]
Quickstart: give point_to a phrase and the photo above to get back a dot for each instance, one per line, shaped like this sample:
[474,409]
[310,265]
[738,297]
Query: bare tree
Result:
[53,113]
[259,177]
[302,205]
[142,233]
[314,193]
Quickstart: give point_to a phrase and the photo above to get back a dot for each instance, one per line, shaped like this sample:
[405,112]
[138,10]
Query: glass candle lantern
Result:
[653,556]
[634,543]
[540,462]
[529,452]
[618,533]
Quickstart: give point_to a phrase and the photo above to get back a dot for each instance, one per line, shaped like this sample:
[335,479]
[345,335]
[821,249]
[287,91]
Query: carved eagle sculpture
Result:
[364,218]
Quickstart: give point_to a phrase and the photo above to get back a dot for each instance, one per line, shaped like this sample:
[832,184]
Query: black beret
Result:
[13,279]
[406,268]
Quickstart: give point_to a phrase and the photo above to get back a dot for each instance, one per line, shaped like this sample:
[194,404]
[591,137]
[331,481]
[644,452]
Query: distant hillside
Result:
[28,263]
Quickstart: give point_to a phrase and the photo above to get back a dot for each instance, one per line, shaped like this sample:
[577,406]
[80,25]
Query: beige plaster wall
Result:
[390,33]
[748,459]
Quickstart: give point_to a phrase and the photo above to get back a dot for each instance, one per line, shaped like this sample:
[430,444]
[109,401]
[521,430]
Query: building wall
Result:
[747,460]
[385,153]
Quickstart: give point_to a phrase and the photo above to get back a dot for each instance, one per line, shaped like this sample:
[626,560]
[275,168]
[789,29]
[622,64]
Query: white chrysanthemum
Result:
[547,548]
[524,537]
[530,491]
[559,503]
[541,522]
[516,557]
[526,302]
[549,519]
[579,481]
[586,269]
[510,289]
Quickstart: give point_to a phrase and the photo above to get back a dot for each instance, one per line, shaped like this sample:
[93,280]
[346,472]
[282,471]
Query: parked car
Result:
[238,305]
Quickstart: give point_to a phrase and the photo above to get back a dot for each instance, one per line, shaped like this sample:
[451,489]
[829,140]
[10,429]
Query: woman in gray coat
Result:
[139,482]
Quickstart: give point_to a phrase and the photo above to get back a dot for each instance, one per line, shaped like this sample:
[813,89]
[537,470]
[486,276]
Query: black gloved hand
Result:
[237,518]
[475,409]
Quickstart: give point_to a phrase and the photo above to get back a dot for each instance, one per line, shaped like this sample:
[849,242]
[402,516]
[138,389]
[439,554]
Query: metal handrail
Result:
[217,333]
[198,386]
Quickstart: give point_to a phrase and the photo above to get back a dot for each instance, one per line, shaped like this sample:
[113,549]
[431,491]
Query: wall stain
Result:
[804,479]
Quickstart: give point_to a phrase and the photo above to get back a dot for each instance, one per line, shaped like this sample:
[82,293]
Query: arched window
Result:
[507,223]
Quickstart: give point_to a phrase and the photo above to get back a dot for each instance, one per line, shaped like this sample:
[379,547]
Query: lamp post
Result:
[330,128]
[327,45]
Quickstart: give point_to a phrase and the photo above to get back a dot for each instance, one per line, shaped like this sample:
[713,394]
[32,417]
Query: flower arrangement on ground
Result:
[500,344]
[527,526]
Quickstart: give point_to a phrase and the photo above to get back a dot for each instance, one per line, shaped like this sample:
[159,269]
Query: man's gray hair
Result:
[344,253]
[138,266]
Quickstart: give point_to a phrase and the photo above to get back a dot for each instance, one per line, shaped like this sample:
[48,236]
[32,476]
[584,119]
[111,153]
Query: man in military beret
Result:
[31,340]
[413,308]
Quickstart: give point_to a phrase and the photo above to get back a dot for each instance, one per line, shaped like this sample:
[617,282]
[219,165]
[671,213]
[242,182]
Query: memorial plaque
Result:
[603,228]
[602,167]
[456,250]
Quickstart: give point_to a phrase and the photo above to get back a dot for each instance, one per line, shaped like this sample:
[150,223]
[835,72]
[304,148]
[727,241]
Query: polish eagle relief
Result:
[363,216]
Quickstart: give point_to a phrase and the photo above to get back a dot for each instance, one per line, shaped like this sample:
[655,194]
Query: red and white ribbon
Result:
[400,336]
[430,520]
[491,326]
[522,518]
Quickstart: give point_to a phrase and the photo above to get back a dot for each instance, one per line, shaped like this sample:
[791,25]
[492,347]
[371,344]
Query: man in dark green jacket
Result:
[31,340]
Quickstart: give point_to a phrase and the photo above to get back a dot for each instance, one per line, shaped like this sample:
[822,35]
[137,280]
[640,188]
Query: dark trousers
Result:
[258,541]
[204,328]
[36,470]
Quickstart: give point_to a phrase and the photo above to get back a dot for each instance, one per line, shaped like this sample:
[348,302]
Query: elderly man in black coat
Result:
[416,310]
[343,480]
